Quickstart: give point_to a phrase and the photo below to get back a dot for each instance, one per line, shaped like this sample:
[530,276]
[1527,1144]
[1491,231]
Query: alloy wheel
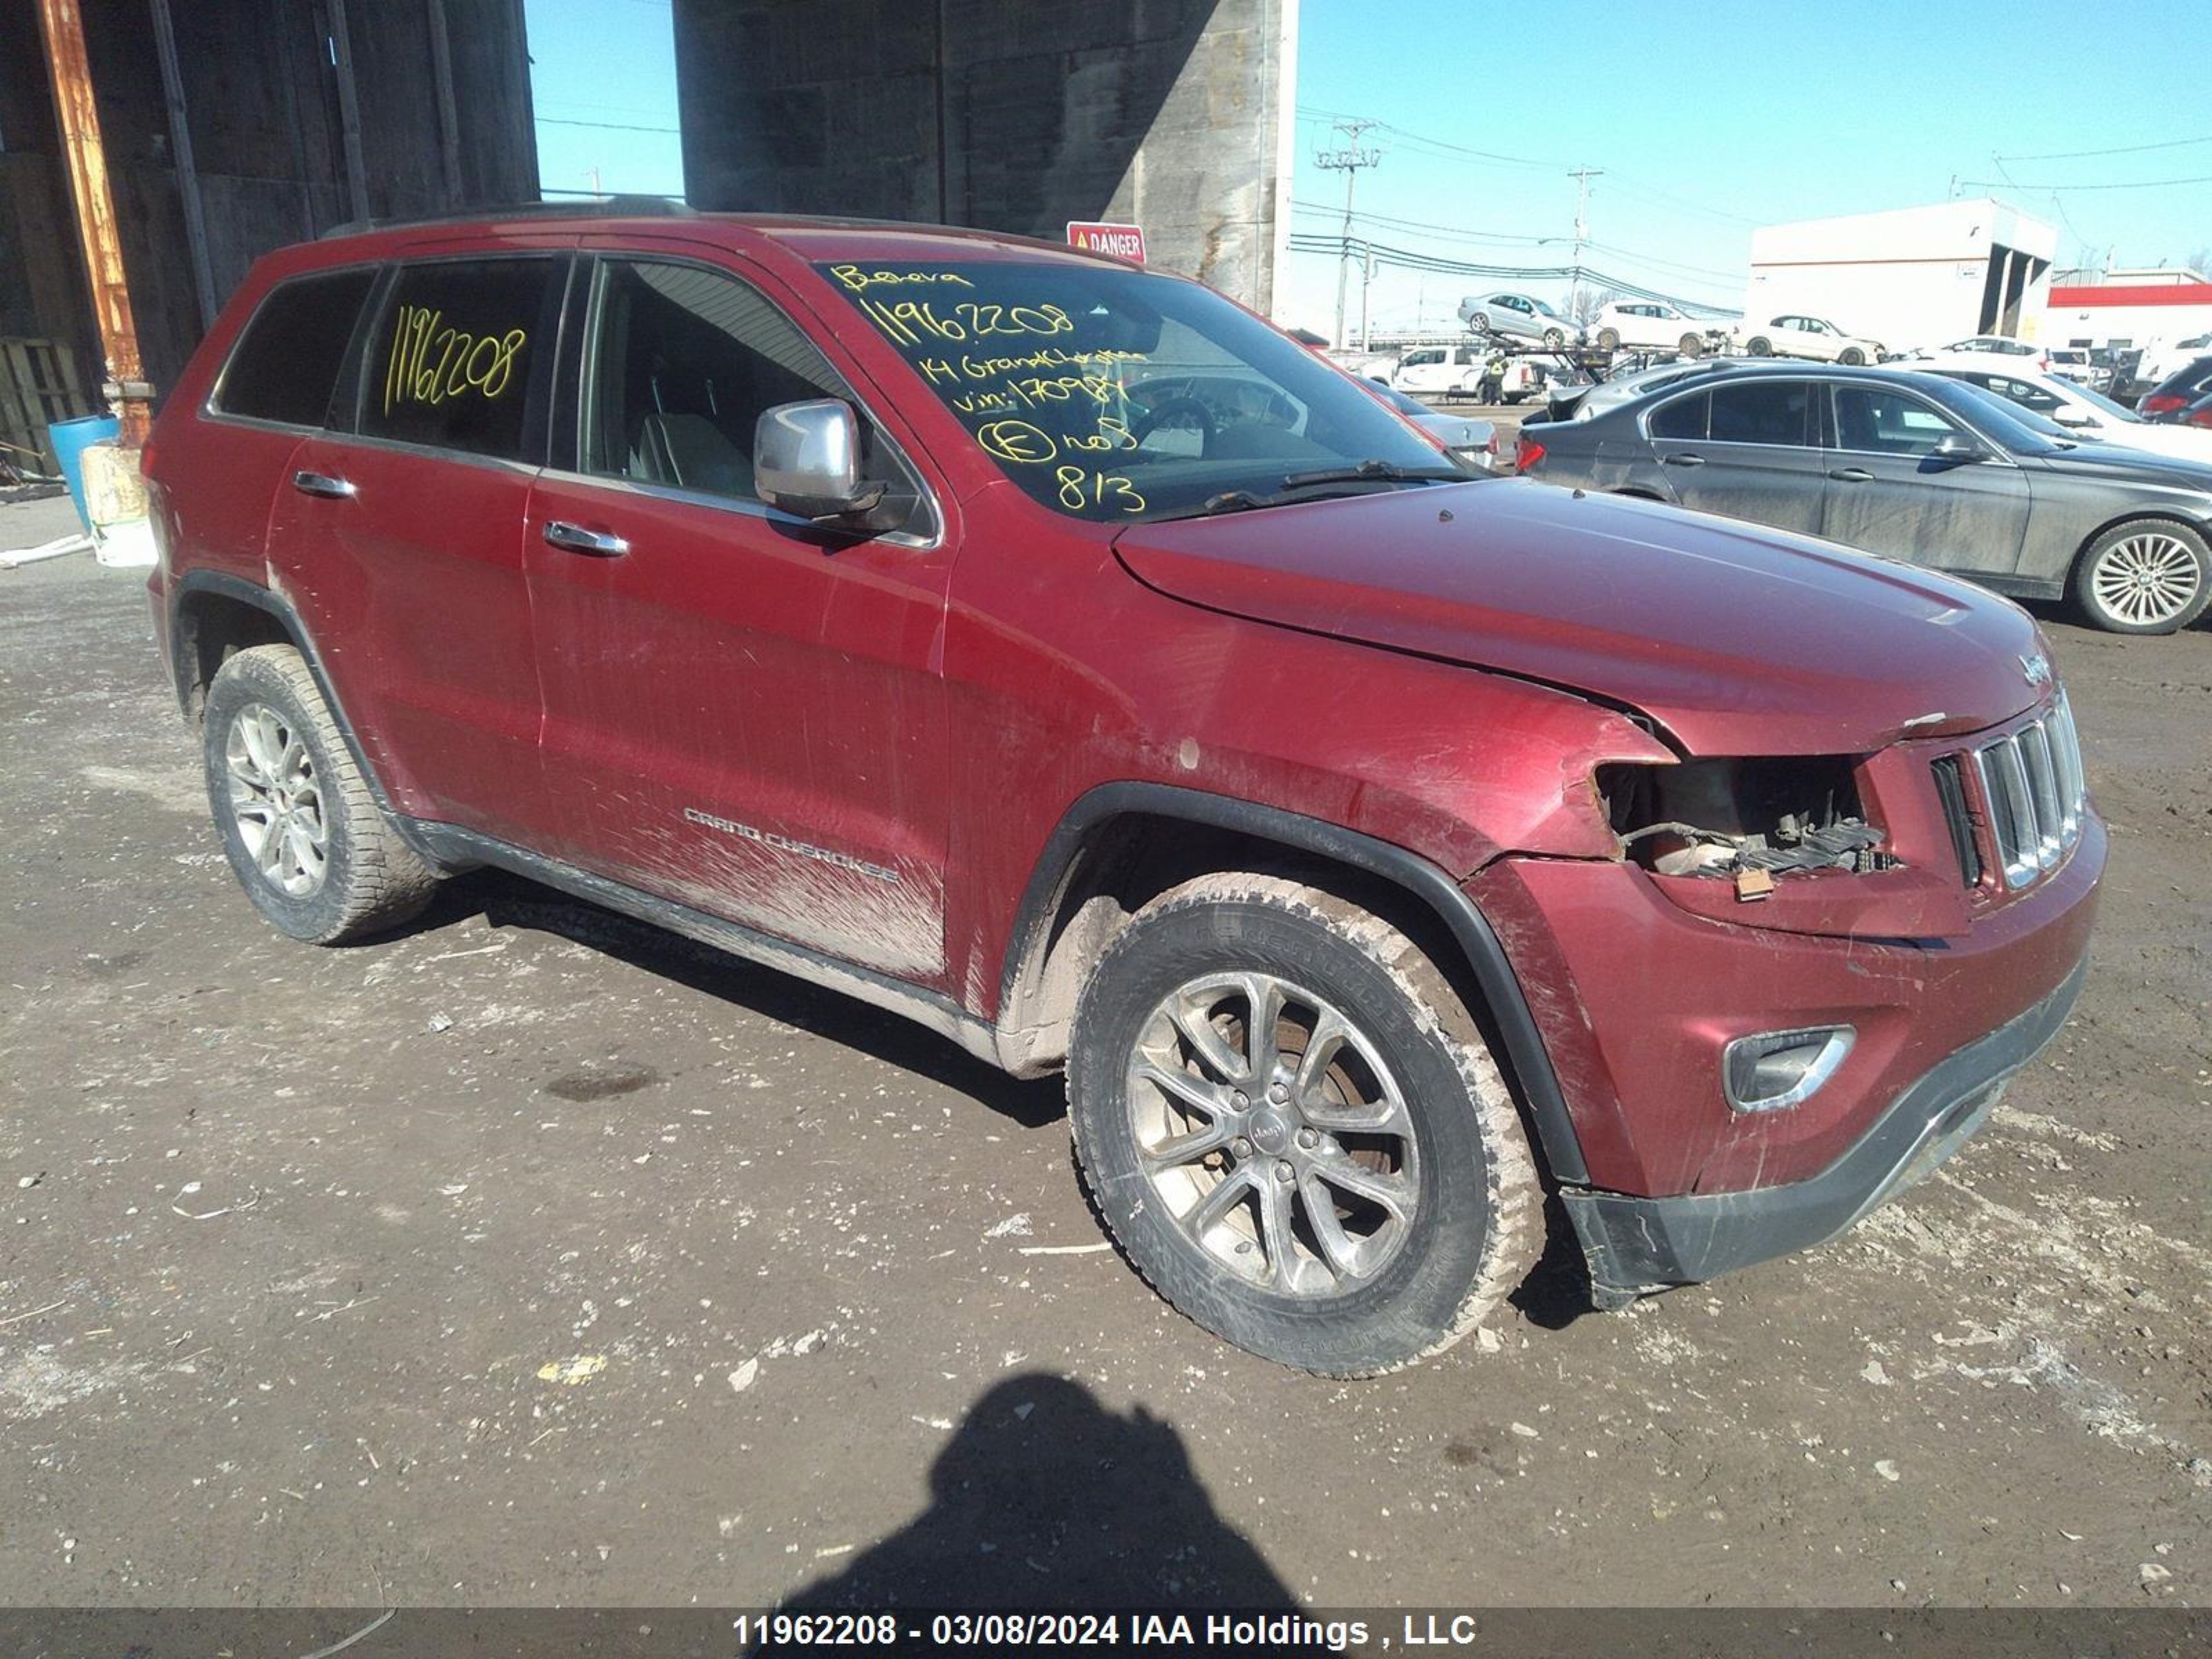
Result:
[276,801]
[1269,1126]
[2147,578]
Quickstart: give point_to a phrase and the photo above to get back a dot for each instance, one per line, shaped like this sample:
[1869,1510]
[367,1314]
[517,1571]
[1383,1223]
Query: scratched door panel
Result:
[744,712]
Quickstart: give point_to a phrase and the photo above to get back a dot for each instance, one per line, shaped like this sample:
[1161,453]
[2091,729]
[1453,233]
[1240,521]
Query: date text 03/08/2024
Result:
[1210,1632]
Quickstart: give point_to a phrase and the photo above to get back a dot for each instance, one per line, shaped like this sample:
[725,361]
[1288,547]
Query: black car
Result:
[2172,396]
[1915,467]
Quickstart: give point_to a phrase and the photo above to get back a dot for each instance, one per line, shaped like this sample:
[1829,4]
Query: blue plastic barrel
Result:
[69,439]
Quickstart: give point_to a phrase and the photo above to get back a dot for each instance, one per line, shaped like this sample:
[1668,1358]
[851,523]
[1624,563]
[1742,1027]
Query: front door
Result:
[745,712]
[1887,491]
[398,535]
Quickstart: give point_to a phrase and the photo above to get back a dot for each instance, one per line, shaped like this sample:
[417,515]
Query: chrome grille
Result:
[2031,779]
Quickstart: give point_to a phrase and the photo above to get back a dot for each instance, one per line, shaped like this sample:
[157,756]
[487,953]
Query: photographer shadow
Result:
[1044,1498]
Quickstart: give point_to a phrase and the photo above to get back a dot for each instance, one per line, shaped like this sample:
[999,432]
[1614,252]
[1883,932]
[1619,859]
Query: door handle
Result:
[1682,460]
[1852,475]
[322,484]
[577,540]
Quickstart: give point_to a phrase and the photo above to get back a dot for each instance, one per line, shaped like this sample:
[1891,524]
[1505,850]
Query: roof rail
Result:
[597,207]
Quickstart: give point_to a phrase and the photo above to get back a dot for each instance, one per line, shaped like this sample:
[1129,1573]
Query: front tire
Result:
[1852,357]
[303,833]
[1293,1127]
[2151,576]
[1759,346]
[1608,339]
[1553,338]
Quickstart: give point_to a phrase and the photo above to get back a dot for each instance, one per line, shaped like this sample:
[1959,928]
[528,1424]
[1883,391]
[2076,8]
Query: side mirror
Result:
[806,461]
[1958,447]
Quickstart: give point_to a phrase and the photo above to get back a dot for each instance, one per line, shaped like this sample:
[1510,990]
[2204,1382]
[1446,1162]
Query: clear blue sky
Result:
[1707,119]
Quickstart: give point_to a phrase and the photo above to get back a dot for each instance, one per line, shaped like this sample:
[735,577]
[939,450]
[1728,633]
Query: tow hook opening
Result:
[1743,819]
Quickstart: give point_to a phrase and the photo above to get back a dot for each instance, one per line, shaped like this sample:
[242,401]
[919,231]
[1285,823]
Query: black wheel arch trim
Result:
[1484,956]
[266,599]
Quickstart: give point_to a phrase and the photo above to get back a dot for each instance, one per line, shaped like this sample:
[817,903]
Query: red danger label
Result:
[1123,241]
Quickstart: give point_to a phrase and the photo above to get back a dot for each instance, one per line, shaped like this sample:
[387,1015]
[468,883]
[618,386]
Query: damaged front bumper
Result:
[1636,1245]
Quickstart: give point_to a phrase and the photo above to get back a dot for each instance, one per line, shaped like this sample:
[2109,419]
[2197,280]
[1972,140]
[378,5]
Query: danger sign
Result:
[1123,241]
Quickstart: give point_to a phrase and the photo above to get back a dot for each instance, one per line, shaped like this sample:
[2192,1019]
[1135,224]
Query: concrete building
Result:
[2142,309]
[1174,114]
[1915,277]
[257,123]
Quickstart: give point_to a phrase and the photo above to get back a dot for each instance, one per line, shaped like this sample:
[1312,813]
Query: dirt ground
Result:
[533,1256]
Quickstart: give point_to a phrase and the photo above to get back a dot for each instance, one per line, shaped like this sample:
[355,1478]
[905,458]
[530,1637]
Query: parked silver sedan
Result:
[1518,317]
[1916,467]
[1471,439]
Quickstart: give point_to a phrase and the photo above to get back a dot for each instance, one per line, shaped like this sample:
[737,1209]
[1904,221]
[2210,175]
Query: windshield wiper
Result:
[1380,471]
[1244,500]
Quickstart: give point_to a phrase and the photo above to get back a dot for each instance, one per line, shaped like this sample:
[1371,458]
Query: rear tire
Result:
[2148,576]
[1216,1162]
[303,833]
[1690,346]
[1479,323]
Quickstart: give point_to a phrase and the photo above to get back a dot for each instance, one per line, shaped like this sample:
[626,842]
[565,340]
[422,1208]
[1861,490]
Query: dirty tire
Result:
[1608,339]
[1475,1226]
[1691,345]
[1554,338]
[371,879]
[2174,561]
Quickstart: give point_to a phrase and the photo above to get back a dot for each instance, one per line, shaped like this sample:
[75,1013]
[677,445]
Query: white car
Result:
[1650,326]
[1438,369]
[2163,358]
[2084,414]
[1799,336]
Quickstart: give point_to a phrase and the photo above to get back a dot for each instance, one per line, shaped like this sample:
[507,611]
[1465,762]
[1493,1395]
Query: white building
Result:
[2138,308]
[1915,277]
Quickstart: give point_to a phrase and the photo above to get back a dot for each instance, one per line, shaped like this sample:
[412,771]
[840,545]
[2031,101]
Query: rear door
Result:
[400,539]
[1745,448]
[745,711]
[1889,492]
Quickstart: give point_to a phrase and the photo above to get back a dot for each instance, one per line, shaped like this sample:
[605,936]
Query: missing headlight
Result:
[1724,817]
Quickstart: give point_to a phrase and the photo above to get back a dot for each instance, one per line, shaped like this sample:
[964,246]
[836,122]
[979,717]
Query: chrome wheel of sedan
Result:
[1272,1129]
[276,801]
[2147,578]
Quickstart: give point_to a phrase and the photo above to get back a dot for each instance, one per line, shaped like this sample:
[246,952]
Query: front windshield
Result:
[2105,405]
[1112,395]
[1543,308]
[2020,430]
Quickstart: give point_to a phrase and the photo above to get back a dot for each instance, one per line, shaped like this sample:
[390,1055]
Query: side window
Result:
[1880,421]
[457,352]
[684,363]
[1761,411]
[287,362]
[2023,392]
[1417,359]
[1683,418]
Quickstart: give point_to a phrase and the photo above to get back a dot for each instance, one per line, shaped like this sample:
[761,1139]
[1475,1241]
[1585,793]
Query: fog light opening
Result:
[1774,1071]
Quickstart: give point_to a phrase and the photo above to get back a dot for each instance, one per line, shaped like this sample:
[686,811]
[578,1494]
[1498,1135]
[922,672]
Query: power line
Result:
[608,126]
[2124,150]
[2129,183]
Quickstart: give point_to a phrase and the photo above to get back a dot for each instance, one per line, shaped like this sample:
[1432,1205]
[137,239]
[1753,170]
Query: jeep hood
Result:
[1738,639]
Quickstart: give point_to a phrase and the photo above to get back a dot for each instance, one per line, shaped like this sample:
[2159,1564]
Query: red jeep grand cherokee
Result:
[1054,653]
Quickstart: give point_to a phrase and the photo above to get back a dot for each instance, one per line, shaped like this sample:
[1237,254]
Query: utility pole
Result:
[1581,176]
[1347,161]
[97,226]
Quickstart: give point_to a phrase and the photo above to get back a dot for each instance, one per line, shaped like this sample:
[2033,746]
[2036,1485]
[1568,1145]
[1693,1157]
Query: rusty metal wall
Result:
[1003,114]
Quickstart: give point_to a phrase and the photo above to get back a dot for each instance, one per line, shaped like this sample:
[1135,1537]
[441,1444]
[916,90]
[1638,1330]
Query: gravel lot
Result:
[532,1256]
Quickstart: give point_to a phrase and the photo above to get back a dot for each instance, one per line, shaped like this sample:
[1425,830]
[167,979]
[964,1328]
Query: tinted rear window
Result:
[1761,412]
[456,351]
[287,360]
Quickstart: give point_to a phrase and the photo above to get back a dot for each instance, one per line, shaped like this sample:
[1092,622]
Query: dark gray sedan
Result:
[1917,468]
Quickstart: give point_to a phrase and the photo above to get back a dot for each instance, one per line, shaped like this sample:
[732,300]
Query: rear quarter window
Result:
[288,359]
[459,356]
[1683,418]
